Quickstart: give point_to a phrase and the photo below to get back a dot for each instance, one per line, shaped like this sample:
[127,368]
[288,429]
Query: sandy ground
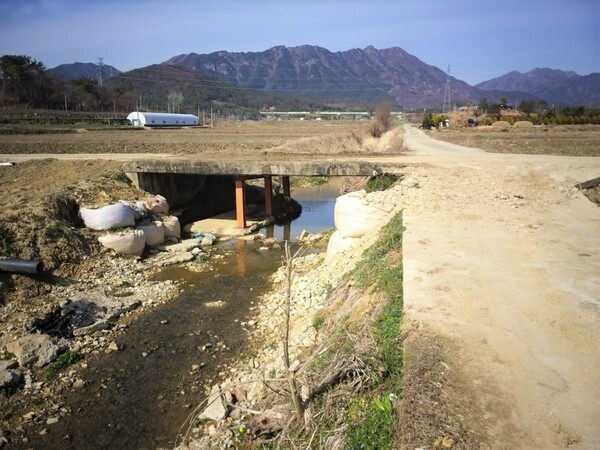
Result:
[502,255]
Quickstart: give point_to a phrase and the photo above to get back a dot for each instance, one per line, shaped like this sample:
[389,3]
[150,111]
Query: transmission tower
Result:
[447,107]
[100,71]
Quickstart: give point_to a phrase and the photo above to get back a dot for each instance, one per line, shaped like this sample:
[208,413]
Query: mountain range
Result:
[554,86]
[360,77]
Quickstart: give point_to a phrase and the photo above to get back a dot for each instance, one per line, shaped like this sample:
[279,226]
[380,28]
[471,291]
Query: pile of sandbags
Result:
[159,205]
[130,242]
[353,216]
[154,232]
[172,227]
[112,216]
[148,232]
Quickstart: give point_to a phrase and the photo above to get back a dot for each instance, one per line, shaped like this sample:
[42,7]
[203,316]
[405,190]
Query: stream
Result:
[139,396]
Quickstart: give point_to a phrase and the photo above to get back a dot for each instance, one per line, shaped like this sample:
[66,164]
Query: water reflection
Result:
[318,203]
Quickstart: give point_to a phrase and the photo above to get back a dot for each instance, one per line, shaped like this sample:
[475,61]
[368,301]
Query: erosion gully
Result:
[140,396]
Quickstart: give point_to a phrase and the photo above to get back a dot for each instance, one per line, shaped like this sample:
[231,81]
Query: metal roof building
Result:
[153,119]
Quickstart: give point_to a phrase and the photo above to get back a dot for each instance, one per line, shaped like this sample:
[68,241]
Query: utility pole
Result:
[100,81]
[447,107]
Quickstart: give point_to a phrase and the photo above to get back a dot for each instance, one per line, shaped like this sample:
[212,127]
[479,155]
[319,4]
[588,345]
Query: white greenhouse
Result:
[153,119]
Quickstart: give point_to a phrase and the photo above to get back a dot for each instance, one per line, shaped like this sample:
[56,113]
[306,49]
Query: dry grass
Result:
[434,412]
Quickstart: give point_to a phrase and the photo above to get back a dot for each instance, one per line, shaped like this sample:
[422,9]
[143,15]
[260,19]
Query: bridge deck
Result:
[254,167]
[242,169]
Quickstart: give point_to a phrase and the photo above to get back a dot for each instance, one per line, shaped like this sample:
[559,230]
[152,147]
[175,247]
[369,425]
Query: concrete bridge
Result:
[181,177]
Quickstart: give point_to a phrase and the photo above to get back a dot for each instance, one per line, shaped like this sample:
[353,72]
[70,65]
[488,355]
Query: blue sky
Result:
[478,39]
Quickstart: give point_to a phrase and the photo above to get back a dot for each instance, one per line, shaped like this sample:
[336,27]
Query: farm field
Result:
[567,140]
[248,137]
[252,137]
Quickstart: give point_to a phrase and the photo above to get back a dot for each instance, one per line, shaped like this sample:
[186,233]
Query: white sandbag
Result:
[127,243]
[107,217]
[140,210]
[159,205]
[338,244]
[354,216]
[155,232]
[172,227]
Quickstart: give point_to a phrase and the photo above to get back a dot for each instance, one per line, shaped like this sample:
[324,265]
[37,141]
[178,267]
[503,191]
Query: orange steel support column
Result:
[285,181]
[240,204]
[268,196]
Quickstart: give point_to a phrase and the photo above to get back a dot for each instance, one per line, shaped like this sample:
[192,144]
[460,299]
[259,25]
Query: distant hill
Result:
[531,81]
[555,86]
[154,84]
[76,70]
[584,90]
[355,76]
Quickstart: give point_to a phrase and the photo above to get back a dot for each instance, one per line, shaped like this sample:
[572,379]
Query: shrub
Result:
[383,119]
[432,120]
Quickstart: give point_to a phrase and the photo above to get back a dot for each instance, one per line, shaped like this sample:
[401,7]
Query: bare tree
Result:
[175,99]
[383,119]
[288,261]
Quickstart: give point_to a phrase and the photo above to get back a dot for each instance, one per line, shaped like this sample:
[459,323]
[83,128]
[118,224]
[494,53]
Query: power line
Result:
[100,81]
[447,106]
[153,78]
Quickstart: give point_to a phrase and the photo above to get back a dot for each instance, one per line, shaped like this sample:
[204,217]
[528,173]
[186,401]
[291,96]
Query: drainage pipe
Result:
[21,266]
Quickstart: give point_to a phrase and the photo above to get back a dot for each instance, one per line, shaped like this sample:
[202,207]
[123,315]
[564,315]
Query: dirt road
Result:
[502,255]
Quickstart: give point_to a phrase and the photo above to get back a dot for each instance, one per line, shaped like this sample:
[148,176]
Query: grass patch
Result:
[355,383]
[380,268]
[370,423]
[202,257]
[321,361]
[382,182]
[65,360]
[318,322]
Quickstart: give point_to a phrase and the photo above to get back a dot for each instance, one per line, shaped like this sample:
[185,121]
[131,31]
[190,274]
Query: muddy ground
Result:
[38,198]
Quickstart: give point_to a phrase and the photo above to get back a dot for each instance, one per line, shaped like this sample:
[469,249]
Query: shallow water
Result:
[317,203]
[138,397]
